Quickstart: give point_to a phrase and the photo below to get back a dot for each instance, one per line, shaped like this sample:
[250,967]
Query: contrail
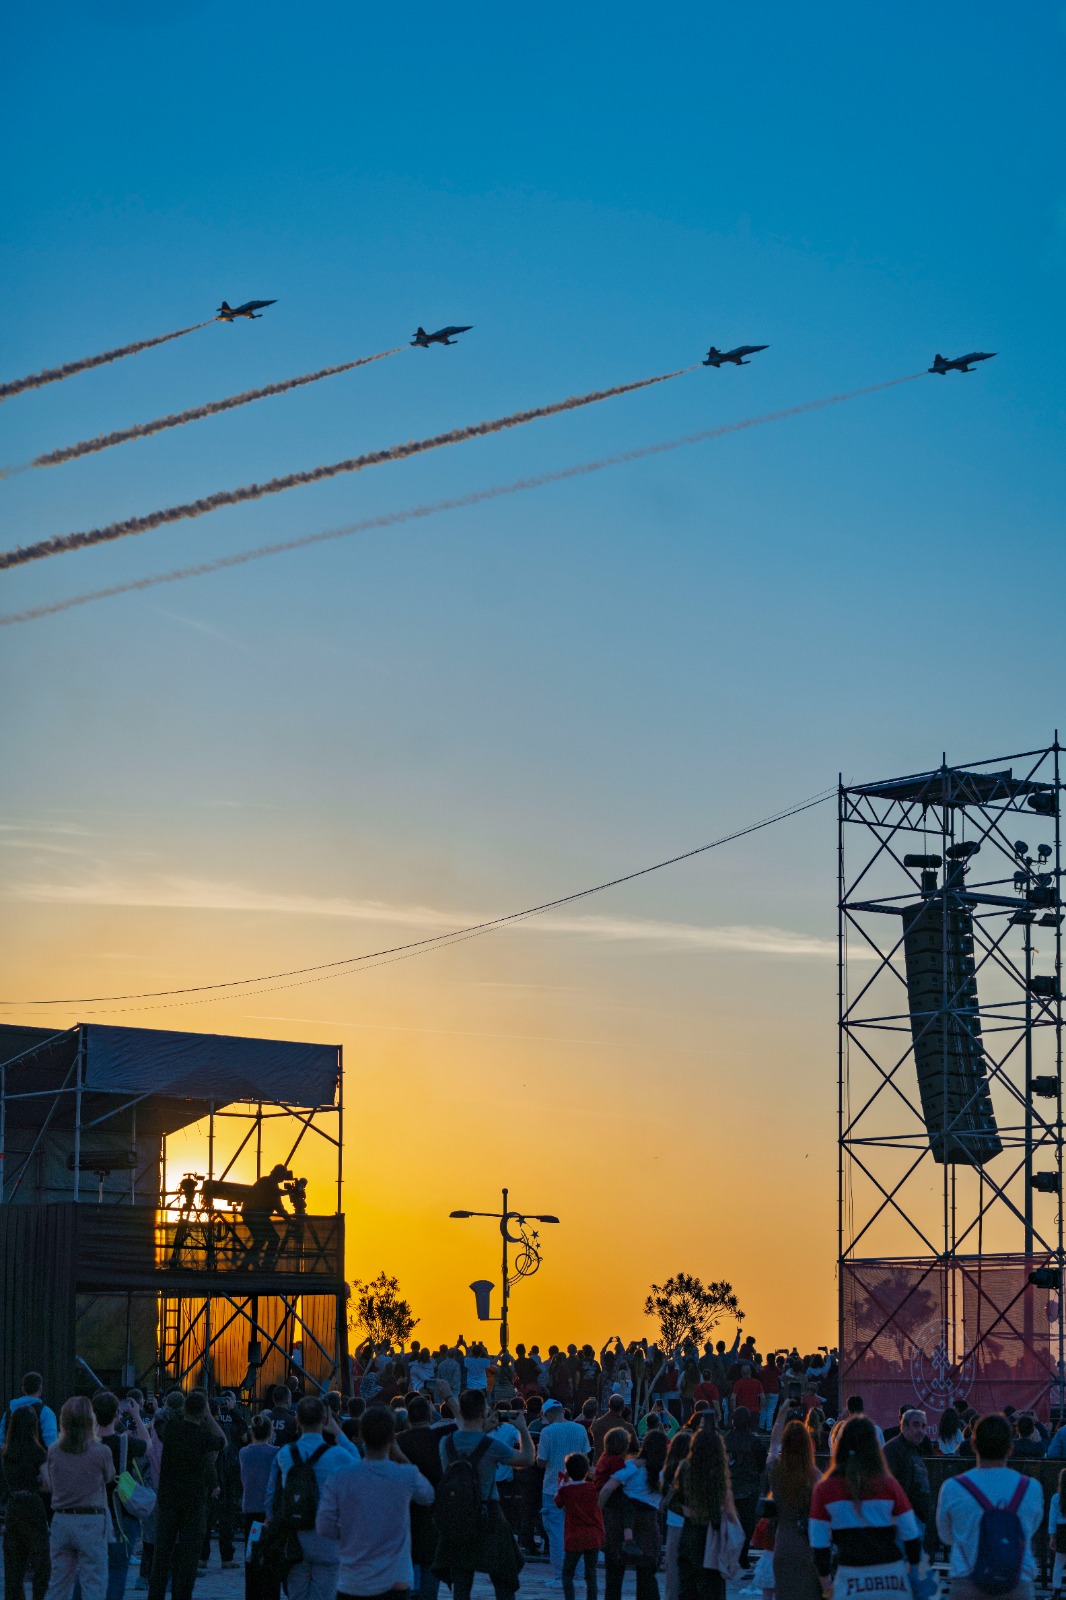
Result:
[37,380]
[177,419]
[413,513]
[295,480]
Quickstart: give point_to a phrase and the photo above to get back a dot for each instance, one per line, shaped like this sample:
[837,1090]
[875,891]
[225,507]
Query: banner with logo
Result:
[936,1334]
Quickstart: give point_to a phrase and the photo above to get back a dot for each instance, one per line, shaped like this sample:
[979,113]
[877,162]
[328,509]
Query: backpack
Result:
[299,1492]
[459,1504]
[1001,1540]
[131,1491]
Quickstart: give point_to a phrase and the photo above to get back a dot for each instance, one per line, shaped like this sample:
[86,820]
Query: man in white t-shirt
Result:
[558,1439]
[959,1509]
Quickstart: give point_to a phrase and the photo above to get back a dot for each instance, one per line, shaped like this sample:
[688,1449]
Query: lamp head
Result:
[460,1213]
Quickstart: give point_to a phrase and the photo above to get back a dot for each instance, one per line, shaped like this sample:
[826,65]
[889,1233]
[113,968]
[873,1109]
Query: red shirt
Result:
[583,1524]
[748,1392]
[605,1468]
[706,1391]
[771,1380]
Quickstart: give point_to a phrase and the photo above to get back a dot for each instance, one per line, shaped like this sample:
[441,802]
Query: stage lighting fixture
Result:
[1045,1278]
[1020,847]
[1045,1182]
[1044,852]
[1046,1086]
[1044,804]
[1045,986]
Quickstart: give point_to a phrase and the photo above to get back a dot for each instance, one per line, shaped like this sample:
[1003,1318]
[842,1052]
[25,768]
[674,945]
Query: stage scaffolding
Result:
[950,1205]
[117,1265]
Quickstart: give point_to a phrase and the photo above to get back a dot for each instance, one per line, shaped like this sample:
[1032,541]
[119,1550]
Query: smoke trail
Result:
[295,480]
[390,518]
[177,419]
[37,380]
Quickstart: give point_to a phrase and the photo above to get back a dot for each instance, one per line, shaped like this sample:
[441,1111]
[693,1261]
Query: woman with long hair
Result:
[818,1429]
[703,1495]
[78,1472]
[793,1476]
[630,1501]
[676,1453]
[859,1508]
[26,1526]
[949,1433]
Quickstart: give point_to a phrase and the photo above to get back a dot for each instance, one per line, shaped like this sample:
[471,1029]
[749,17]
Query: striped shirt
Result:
[866,1533]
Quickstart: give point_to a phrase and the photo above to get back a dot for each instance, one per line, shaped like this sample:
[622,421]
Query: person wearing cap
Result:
[262,1202]
[558,1439]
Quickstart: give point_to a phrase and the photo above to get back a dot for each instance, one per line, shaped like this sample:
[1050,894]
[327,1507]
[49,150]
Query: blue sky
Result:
[528,696]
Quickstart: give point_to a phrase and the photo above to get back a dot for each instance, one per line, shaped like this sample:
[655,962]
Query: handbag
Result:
[132,1493]
[721,1553]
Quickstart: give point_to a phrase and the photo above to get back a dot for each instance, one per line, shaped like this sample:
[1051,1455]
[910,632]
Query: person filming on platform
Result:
[262,1202]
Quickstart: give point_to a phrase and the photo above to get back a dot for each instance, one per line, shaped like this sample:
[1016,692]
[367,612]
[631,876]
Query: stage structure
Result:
[950,1236]
[118,1265]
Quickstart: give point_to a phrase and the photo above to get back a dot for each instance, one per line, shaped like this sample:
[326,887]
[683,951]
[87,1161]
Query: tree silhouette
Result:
[686,1308]
[381,1312]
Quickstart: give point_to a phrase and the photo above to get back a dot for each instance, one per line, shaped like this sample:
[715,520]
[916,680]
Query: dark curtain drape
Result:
[37,1308]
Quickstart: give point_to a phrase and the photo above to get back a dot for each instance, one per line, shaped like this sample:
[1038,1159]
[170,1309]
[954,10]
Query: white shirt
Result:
[364,1514]
[476,1368]
[958,1516]
[557,1441]
[634,1481]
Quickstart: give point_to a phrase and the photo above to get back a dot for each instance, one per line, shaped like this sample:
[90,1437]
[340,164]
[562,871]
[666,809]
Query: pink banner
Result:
[935,1334]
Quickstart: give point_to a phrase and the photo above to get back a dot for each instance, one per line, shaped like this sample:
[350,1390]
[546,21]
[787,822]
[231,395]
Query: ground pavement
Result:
[537,1584]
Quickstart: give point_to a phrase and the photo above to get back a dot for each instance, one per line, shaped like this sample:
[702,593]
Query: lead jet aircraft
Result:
[944,364]
[442,336]
[715,358]
[226,313]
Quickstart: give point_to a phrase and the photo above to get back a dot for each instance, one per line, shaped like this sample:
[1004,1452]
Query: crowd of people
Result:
[686,1467]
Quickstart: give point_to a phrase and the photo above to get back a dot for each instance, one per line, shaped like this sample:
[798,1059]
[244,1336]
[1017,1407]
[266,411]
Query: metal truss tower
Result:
[950,1204]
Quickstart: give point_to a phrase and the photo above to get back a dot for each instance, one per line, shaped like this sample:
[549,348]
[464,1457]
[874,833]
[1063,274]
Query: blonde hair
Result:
[76,1425]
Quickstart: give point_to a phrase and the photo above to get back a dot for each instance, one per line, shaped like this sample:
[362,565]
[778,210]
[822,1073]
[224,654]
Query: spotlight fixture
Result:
[1045,1182]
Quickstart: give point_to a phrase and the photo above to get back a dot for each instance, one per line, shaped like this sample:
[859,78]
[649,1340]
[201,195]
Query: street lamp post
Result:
[527,1259]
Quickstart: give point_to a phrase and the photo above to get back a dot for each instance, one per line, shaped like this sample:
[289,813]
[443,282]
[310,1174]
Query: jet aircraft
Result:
[442,336]
[942,364]
[226,313]
[715,358]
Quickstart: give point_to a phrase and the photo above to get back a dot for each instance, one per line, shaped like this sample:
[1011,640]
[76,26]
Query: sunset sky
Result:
[354,745]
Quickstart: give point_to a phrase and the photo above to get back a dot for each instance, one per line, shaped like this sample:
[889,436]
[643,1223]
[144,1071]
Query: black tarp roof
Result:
[954,786]
[194,1069]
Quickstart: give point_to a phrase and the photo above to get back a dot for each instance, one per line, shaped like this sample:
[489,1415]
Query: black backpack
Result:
[299,1492]
[460,1505]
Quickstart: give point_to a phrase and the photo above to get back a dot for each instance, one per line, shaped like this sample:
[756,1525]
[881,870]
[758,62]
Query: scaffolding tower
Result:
[117,1265]
[950,1130]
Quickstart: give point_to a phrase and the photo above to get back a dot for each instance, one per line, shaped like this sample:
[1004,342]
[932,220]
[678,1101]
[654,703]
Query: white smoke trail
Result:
[295,480]
[37,380]
[177,419]
[391,518]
